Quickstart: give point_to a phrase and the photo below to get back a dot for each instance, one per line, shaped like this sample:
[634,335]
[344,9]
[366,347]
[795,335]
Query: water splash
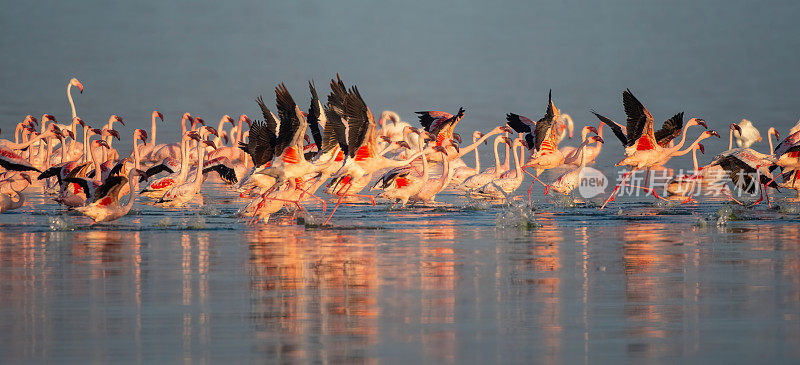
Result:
[164,223]
[61,223]
[516,215]
[198,222]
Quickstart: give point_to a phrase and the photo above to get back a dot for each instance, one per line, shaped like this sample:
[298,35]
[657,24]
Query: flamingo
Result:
[542,140]
[181,194]
[461,173]
[157,188]
[105,206]
[503,186]
[73,82]
[747,134]
[147,149]
[682,185]
[77,191]
[571,153]
[570,180]
[645,148]
[564,126]
[741,164]
[483,178]
[401,183]
[7,202]
[441,125]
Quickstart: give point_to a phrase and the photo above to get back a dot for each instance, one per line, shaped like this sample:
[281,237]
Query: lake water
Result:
[464,281]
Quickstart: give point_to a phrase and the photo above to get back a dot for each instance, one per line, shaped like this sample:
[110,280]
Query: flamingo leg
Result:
[613,194]
[647,190]
[338,203]
[305,191]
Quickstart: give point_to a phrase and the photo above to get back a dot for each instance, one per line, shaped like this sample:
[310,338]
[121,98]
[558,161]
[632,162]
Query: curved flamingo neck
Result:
[690,148]
[471,147]
[678,146]
[134,189]
[71,103]
[730,139]
[201,156]
[517,163]
[153,131]
[184,161]
[497,156]
[694,158]
[98,171]
[135,152]
[477,156]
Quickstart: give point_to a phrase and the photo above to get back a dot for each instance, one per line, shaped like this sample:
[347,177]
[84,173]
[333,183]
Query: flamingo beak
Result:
[599,139]
[386,139]
[157,114]
[193,135]
[439,149]
[199,120]
[454,145]
[403,144]
[71,135]
[225,139]
[701,148]
[113,133]
[103,143]
[247,120]
[118,119]
[77,84]
[457,137]
[506,129]
[714,133]
[26,177]
[210,144]
[307,138]
[592,129]
[143,135]
[212,131]
[736,127]
[702,123]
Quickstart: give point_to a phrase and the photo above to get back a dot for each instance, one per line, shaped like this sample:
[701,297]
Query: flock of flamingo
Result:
[281,161]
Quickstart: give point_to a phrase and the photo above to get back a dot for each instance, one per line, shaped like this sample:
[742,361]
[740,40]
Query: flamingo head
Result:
[187,116]
[210,143]
[594,139]
[26,177]
[198,120]
[224,137]
[504,128]
[157,114]
[68,133]
[457,137]
[772,130]
[193,135]
[48,118]
[697,121]
[711,133]
[93,131]
[411,129]
[100,143]
[141,134]
[111,132]
[54,128]
[702,148]
[227,118]
[591,129]
[76,83]
[386,139]
[31,119]
[306,138]
[440,149]
[115,118]
[403,144]
[735,127]
[209,129]
[79,121]
[244,118]
[455,145]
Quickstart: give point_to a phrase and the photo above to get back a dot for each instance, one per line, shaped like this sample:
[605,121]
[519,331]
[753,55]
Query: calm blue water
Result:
[462,282]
